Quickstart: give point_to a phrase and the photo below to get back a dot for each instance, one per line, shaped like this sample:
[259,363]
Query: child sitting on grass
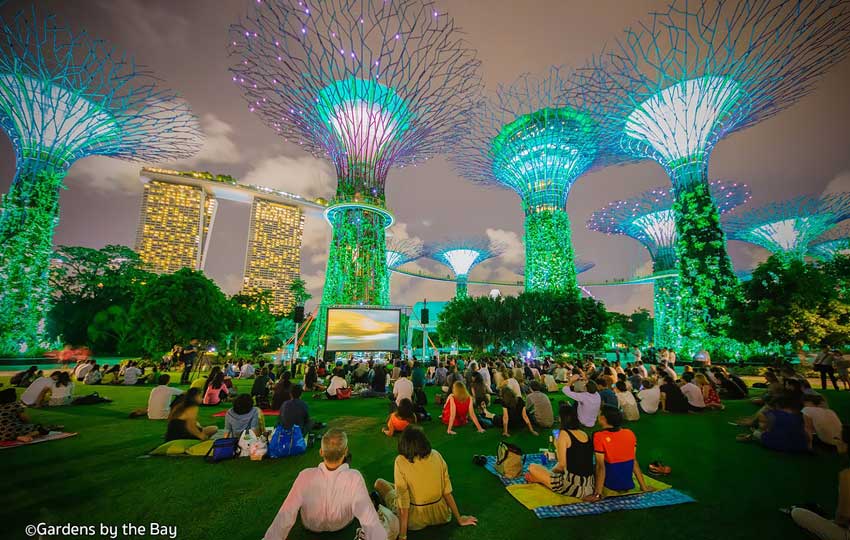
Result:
[400,419]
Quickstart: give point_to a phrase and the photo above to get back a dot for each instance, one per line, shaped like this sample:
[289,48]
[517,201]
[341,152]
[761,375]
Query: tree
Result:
[298,288]
[111,326]
[250,322]
[175,308]
[634,329]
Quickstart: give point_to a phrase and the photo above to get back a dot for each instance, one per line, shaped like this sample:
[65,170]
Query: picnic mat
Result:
[534,496]
[52,436]
[667,497]
[266,412]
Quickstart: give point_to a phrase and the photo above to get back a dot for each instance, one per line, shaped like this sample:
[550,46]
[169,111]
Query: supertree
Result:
[681,81]
[649,219]
[832,243]
[65,96]
[787,228]
[583,266]
[401,252]
[369,84]
[527,139]
[462,255]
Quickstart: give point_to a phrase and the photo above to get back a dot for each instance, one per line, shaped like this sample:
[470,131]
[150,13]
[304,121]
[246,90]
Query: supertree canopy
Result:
[649,219]
[65,96]
[371,85]
[461,256]
[526,140]
[401,252]
[693,74]
[788,228]
[832,243]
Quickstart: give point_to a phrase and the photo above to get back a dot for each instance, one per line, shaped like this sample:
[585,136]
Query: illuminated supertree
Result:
[832,243]
[583,266]
[787,228]
[401,252]
[649,219]
[461,256]
[65,96]
[369,84]
[680,82]
[526,140]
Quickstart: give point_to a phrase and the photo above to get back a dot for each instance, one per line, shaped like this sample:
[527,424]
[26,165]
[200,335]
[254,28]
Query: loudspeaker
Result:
[298,316]
[423,316]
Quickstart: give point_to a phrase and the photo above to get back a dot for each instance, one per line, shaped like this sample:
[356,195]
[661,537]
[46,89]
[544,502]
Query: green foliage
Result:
[175,308]
[251,326]
[634,329]
[298,288]
[549,257]
[795,303]
[110,330]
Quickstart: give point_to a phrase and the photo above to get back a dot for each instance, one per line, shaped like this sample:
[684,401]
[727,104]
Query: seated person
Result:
[514,415]
[247,371]
[260,389]
[132,374]
[378,384]
[608,396]
[14,423]
[83,369]
[94,376]
[781,427]
[110,374]
[38,392]
[62,391]
[539,406]
[549,381]
[649,397]
[329,496]
[400,419]
[295,412]
[338,382]
[183,419]
[159,401]
[241,417]
[709,394]
[402,389]
[573,473]
[823,527]
[216,389]
[311,379]
[22,379]
[587,400]
[616,456]
[693,393]
[626,401]
[282,392]
[458,409]
[672,398]
[825,426]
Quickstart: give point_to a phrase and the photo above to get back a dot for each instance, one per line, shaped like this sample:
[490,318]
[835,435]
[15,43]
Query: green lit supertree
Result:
[692,74]
[371,85]
[65,96]
[788,228]
[832,243]
[649,219]
[462,256]
[527,139]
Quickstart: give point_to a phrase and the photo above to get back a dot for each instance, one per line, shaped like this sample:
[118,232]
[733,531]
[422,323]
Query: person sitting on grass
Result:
[36,394]
[282,391]
[22,379]
[260,389]
[402,389]
[573,474]
[62,391]
[616,456]
[422,493]
[781,427]
[183,419]
[247,371]
[588,401]
[481,396]
[132,374]
[458,409]
[710,396]
[94,376]
[649,397]
[608,396]
[693,393]
[626,401]
[338,382]
[216,390]
[159,401]
[539,407]
[672,398]
[400,419]
[329,497]
[514,415]
[825,426]
[14,423]
[295,412]
[242,417]
[311,379]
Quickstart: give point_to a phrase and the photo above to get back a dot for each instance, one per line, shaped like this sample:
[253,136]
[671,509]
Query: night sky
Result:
[804,150]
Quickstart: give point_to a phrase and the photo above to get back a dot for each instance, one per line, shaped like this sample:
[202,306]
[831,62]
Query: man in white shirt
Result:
[824,422]
[402,388]
[131,374]
[247,371]
[589,402]
[82,370]
[637,354]
[696,401]
[668,370]
[34,394]
[159,402]
[649,397]
[642,369]
[337,382]
[329,497]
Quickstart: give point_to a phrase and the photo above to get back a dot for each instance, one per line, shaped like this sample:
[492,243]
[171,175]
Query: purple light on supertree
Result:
[787,228]
[371,85]
[679,82]
[832,243]
[462,256]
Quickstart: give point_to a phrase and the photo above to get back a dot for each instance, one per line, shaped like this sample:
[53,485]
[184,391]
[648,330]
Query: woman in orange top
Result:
[400,419]
[458,409]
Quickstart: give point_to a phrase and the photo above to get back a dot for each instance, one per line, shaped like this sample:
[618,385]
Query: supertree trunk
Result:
[549,256]
[707,279]
[667,301]
[30,211]
[462,288]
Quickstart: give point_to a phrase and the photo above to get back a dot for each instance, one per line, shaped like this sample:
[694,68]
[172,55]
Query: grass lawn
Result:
[101,476]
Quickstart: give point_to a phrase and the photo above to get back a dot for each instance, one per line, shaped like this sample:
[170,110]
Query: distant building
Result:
[177,216]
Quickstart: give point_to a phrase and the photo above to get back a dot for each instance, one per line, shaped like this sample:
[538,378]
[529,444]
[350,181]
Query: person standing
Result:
[825,365]
[189,354]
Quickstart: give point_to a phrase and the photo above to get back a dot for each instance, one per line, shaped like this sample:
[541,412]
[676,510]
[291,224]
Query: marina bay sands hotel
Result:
[177,218]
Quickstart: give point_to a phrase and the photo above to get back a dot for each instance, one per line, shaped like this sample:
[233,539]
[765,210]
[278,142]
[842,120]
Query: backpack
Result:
[91,399]
[223,449]
[286,442]
[509,460]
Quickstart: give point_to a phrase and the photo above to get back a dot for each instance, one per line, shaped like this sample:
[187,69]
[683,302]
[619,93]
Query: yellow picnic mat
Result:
[535,495]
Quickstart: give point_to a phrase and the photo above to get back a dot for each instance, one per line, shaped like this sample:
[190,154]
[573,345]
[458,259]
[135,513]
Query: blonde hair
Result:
[459,391]
[701,379]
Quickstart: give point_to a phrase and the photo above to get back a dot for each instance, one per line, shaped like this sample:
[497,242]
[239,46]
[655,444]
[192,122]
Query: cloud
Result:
[219,147]
[514,253]
[106,174]
[303,175]
[839,184]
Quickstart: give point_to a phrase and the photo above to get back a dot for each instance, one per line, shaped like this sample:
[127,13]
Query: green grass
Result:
[101,476]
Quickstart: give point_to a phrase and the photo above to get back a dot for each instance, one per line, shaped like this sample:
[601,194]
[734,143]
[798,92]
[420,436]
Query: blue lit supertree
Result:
[528,139]
[692,74]
[369,84]
[832,243]
[787,228]
[462,255]
[402,251]
[65,96]
[649,219]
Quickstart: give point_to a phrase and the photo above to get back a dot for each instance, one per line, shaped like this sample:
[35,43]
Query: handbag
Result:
[286,442]
[509,460]
[223,449]
[343,393]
